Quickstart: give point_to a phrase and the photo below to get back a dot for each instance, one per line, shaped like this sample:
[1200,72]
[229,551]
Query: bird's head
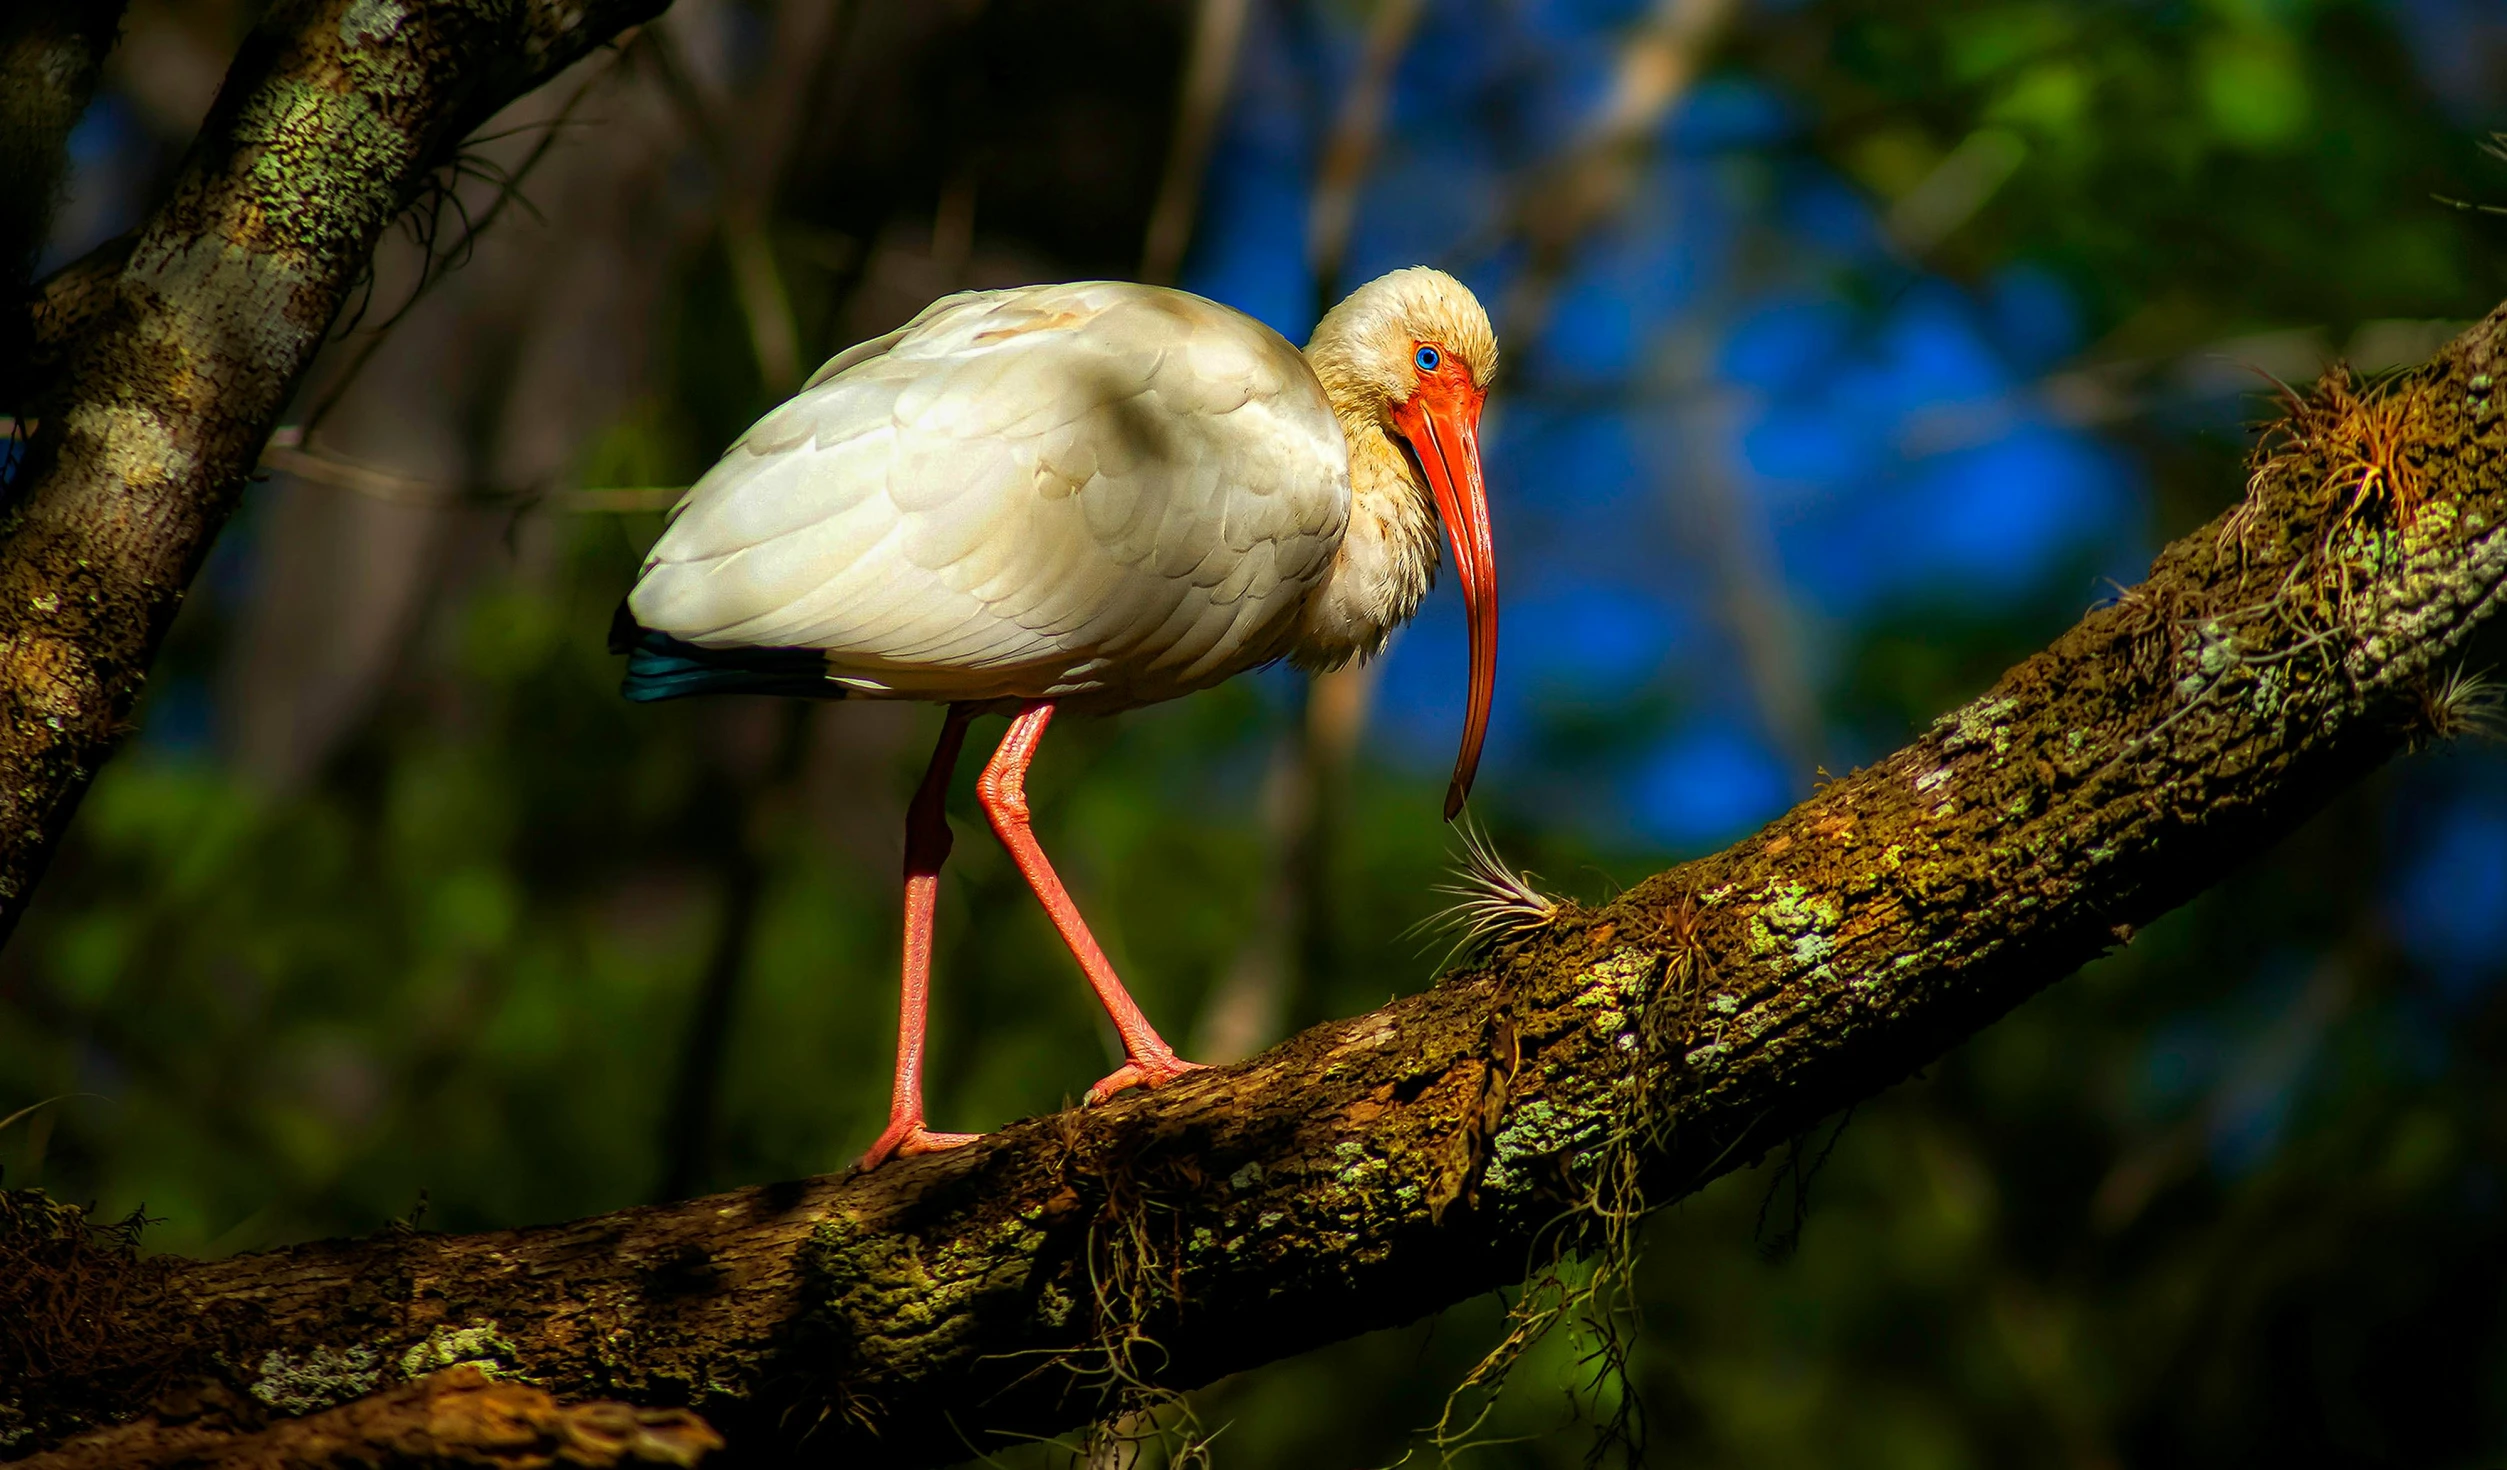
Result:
[1415,350]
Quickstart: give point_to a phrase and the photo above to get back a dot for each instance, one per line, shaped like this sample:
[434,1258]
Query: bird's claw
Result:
[907,1137]
[1153,1073]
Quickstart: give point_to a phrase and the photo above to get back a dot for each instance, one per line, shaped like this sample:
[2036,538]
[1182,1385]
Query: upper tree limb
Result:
[330,121]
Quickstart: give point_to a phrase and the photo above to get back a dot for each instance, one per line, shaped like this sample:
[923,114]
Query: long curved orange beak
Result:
[1442,422]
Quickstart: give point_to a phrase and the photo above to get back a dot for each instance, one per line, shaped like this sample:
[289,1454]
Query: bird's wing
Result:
[1026,492]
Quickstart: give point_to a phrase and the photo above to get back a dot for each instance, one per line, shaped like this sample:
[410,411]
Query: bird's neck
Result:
[1387,558]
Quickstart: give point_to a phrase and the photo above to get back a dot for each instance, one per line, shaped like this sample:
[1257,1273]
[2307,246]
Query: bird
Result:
[1082,497]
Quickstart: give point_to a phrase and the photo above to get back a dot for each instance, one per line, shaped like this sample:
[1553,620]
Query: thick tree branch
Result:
[329,122]
[455,1418]
[1378,1168]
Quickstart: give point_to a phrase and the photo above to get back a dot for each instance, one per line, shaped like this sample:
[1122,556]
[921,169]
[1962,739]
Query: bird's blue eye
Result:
[1427,359]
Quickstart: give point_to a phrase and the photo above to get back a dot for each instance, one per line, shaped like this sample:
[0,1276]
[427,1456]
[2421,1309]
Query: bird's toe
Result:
[1153,1073]
[907,1138]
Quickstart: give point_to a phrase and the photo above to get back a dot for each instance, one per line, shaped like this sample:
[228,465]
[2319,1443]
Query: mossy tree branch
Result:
[1375,1169]
[329,123]
[457,1417]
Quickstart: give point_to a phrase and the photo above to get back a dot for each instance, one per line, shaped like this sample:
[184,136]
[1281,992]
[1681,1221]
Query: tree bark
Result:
[1381,1167]
[332,120]
[455,1417]
[58,311]
[50,56]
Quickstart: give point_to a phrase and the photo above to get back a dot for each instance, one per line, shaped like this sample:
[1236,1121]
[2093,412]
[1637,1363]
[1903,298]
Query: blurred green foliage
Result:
[2194,168]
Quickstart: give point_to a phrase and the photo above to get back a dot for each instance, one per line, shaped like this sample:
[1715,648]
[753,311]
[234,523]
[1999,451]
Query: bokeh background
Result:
[1853,346]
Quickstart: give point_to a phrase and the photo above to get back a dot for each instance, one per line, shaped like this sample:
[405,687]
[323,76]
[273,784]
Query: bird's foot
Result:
[906,1137]
[1151,1072]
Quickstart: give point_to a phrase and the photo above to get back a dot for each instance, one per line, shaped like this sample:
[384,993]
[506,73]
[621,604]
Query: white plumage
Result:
[1102,493]
[1088,496]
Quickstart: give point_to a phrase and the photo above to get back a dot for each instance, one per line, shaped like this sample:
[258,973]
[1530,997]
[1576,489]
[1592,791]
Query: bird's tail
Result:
[662,667]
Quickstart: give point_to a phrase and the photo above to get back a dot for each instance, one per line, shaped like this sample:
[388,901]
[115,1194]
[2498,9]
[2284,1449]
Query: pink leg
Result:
[926,848]
[1003,790]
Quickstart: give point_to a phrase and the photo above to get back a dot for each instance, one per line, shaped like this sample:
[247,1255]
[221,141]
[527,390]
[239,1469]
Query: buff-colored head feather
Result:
[1363,346]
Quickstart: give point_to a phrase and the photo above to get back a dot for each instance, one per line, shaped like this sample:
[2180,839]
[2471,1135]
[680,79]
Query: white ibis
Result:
[1085,497]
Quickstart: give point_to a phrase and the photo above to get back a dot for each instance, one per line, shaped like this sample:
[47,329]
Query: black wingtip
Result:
[662,667]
